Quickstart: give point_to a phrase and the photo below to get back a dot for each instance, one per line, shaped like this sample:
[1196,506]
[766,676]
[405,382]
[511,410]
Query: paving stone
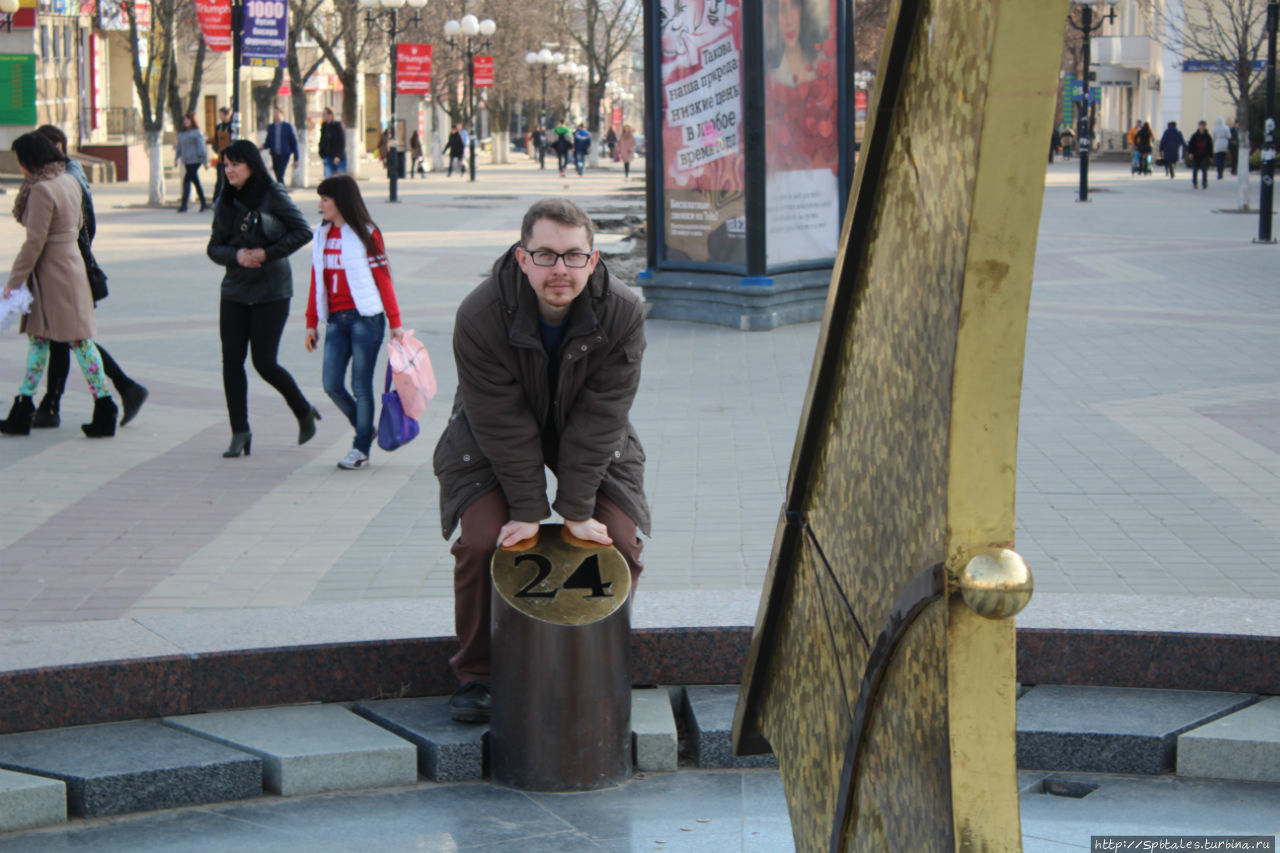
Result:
[709,713]
[306,749]
[653,727]
[28,801]
[447,751]
[116,768]
[1112,729]
[1243,745]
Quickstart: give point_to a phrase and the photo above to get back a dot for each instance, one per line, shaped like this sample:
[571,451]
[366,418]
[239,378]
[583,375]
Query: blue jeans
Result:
[579,160]
[353,339]
[330,169]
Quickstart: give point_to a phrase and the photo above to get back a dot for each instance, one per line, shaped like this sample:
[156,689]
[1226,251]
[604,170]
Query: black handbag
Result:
[259,229]
[97,278]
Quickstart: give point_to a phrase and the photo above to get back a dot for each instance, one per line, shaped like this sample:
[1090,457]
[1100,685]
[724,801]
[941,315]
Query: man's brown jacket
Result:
[495,435]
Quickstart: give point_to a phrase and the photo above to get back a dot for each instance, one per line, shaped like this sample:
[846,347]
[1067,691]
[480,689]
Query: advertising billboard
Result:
[703,195]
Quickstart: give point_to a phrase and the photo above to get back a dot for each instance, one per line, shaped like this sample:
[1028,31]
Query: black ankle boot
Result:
[241,442]
[132,399]
[307,424]
[47,413]
[19,420]
[103,424]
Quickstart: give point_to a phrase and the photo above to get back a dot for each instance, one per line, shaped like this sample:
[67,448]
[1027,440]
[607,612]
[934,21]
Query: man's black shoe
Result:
[471,703]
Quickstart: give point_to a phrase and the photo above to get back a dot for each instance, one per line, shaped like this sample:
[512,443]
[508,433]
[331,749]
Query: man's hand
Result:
[516,531]
[589,530]
[312,337]
[397,334]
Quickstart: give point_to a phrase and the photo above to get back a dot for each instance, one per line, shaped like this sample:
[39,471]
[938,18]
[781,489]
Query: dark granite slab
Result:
[708,711]
[447,751]
[84,673]
[1232,663]
[135,766]
[1113,730]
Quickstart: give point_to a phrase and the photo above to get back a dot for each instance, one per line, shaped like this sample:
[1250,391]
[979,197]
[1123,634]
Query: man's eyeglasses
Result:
[548,258]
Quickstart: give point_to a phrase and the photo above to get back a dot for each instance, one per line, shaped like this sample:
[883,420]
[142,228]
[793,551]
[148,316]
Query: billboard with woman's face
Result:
[703,198]
[801,130]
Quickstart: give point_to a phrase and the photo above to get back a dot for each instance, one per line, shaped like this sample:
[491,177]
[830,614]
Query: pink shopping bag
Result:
[411,373]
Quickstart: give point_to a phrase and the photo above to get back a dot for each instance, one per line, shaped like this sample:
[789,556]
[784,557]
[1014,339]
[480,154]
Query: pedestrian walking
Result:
[191,154]
[1055,139]
[1234,147]
[221,139]
[256,226]
[132,394]
[351,292]
[282,142]
[1172,145]
[581,145]
[457,150]
[611,144]
[415,152]
[1221,144]
[627,150]
[49,206]
[548,351]
[1200,148]
[563,145]
[538,140]
[333,145]
[1143,139]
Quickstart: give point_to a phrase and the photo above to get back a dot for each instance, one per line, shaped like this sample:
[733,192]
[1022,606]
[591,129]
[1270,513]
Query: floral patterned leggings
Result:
[86,355]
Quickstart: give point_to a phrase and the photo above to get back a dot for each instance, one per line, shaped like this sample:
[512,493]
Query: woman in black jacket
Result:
[256,226]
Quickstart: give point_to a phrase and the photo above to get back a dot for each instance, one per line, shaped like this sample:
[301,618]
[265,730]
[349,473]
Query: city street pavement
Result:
[1149,465]
[1149,461]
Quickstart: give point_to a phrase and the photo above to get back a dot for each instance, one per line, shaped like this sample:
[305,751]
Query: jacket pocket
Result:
[457,453]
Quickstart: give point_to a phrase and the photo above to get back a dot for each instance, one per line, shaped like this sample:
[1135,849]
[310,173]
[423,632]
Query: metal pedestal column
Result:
[561,666]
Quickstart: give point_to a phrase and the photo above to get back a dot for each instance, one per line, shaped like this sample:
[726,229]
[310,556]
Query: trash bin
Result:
[561,665]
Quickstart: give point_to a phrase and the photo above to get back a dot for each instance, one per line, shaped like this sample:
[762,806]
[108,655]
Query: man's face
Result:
[278,114]
[328,115]
[556,286]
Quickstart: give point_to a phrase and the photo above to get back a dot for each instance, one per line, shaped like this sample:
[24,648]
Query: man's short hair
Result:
[559,210]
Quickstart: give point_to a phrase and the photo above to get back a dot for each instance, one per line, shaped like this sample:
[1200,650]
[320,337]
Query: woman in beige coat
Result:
[627,150]
[49,262]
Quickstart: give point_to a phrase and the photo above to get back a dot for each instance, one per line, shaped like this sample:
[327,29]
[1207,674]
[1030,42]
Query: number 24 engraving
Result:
[586,576]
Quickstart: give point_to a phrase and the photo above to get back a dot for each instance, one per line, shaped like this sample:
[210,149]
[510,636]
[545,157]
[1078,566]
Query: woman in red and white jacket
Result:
[351,291]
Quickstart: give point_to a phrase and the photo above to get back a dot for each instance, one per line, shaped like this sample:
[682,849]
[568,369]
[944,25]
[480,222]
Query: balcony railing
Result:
[1125,51]
[123,121]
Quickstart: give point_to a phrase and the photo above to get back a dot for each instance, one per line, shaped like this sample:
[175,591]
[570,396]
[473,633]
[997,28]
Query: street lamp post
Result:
[469,27]
[1084,123]
[543,58]
[1267,194]
[574,72]
[392,29]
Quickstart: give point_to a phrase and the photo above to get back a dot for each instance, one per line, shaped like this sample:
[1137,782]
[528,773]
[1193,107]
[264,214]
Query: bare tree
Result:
[152,95]
[870,17]
[603,30]
[348,31]
[301,14]
[187,37]
[520,29]
[1229,36]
